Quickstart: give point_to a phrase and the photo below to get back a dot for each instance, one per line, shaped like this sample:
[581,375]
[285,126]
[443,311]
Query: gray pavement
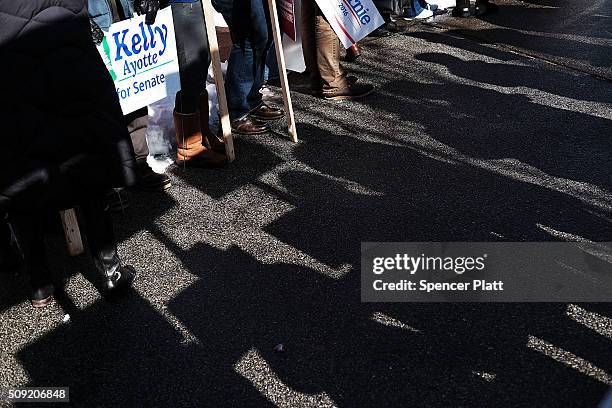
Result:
[463,140]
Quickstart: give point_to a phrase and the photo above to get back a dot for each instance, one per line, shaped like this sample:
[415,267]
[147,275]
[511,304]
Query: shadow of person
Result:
[356,354]
[143,211]
[252,160]
[561,49]
[488,124]
[589,20]
[508,75]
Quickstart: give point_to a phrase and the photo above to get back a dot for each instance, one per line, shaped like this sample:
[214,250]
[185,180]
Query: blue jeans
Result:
[271,68]
[100,12]
[252,36]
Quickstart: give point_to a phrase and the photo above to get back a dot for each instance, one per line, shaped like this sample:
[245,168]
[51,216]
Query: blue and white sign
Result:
[352,20]
[142,59]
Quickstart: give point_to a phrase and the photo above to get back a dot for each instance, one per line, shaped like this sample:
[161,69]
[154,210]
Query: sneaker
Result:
[355,91]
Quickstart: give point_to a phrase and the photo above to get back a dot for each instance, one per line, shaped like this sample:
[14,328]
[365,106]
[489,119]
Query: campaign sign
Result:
[141,59]
[352,20]
[286,11]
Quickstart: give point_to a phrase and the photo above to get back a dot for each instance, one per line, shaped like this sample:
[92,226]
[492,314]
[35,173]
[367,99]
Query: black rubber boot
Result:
[116,279]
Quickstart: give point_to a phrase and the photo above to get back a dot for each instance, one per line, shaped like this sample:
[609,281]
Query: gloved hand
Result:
[147,7]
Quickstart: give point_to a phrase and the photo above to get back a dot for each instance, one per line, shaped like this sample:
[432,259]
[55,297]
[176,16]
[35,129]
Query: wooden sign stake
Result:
[280,58]
[213,45]
[72,232]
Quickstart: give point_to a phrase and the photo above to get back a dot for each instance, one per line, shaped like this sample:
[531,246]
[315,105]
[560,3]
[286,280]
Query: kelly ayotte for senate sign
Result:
[141,59]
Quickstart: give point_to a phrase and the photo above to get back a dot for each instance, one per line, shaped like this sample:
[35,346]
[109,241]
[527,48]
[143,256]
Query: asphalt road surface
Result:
[498,130]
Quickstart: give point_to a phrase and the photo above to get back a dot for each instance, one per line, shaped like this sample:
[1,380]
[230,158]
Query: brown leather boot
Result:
[210,140]
[191,151]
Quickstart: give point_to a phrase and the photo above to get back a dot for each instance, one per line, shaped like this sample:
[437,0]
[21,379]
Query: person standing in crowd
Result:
[321,48]
[197,145]
[249,25]
[103,13]
[66,142]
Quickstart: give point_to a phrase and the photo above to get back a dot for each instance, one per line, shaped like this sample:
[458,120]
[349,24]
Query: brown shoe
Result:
[350,80]
[266,113]
[209,139]
[248,126]
[191,151]
[354,91]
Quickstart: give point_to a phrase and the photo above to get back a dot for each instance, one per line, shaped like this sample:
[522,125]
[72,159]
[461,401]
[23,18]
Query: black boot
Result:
[117,279]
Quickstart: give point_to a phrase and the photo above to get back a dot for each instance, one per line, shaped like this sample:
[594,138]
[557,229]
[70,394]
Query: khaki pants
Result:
[321,49]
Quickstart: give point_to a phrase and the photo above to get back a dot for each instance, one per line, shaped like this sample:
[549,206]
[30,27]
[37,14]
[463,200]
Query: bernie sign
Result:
[141,59]
[352,20]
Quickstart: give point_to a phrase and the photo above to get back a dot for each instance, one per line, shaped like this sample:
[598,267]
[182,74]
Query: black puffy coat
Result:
[61,124]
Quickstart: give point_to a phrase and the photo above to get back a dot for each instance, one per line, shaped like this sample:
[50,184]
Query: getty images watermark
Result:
[486,272]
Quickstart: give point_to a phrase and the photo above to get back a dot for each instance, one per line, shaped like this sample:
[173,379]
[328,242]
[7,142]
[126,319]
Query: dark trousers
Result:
[252,37]
[193,54]
[137,123]
[28,225]
[73,183]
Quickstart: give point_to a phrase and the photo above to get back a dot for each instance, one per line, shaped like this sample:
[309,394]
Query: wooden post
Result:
[280,58]
[213,45]
[72,232]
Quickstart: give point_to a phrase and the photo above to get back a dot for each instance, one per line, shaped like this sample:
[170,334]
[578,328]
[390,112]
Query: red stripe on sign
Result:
[344,31]
[352,12]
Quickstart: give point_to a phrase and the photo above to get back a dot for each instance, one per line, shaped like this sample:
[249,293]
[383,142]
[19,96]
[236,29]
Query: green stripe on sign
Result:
[146,70]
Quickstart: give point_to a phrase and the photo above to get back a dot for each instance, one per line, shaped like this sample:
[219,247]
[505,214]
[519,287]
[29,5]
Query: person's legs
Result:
[239,77]
[193,53]
[271,69]
[29,229]
[309,43]
[244,78]
[333,77]
[137,123]
[192,136]
[261,42]
[117,279]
